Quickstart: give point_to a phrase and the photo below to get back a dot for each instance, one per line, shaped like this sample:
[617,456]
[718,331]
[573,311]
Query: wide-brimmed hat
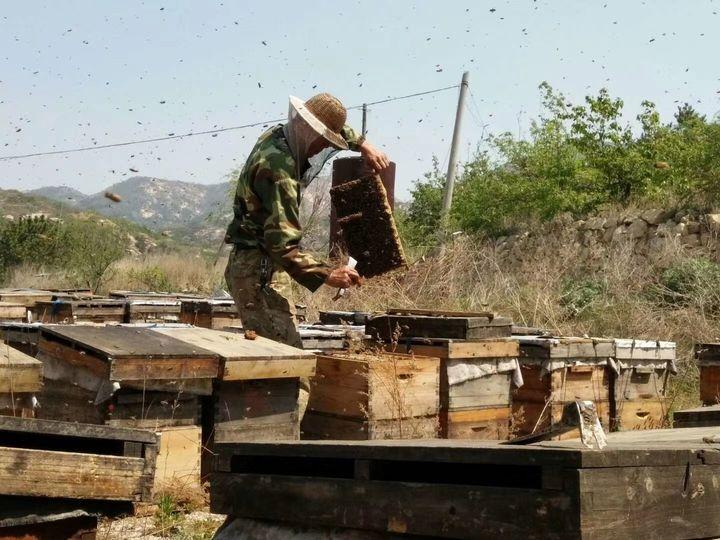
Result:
[325,114]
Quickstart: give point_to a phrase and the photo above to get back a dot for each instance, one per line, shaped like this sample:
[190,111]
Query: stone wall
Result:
[647,234]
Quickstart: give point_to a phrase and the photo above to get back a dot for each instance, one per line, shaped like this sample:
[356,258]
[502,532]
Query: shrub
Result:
[692,282]
[580,295]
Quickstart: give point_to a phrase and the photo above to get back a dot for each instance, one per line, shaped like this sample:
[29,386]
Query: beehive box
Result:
[155,410]
[211,313]
[21,336]
[20,381]
[360,396]
[475,384]
[555,372]
[13,311]
[65,311]
[640,383]
[707,356]
[400,324]
[156,311]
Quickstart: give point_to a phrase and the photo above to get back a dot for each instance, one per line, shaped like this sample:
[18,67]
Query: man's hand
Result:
[374,157]
[342,277]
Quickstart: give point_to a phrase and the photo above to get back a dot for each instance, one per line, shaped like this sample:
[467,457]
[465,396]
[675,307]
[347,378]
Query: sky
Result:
[78,73]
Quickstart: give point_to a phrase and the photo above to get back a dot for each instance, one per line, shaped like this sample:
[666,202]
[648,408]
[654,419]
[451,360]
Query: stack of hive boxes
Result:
[556,372]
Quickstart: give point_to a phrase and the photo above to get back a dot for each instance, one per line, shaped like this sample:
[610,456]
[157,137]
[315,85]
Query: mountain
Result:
[189,211]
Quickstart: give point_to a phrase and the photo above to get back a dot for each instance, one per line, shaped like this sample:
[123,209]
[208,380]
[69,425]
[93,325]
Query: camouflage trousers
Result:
[269,310]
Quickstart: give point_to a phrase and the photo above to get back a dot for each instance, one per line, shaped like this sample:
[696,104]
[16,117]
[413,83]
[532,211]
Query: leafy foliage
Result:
[577,158]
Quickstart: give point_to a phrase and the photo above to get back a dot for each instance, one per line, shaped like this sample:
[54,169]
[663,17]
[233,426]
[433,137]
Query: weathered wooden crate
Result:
[475,384]
[373,396]
[20,382]
[66,311]
[640,383]
[645,484]
[13,311]
[707,356]
[85,365]
[555,372]
[43,458]
[212,313]
[400,324]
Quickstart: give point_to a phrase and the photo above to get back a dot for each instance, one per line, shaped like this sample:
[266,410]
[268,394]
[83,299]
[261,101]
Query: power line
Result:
[206,132]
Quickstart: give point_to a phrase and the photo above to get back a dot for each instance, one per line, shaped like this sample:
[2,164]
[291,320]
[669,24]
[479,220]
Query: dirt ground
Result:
[196,525]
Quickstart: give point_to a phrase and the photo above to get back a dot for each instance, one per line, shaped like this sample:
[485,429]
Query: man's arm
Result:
[374,157]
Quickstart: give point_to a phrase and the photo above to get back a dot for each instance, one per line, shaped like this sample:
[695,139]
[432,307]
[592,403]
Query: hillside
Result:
[191,212]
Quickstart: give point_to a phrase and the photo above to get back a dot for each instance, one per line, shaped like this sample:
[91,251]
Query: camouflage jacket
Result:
[267,208]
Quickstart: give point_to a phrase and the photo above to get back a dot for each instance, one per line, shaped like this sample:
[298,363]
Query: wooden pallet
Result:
[373,395]
[398,325]
[43,458]
[652,484]
[246,359]
[215,314]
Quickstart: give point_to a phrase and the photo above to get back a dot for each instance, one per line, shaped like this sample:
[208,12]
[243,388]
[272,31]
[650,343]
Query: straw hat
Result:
[325,114]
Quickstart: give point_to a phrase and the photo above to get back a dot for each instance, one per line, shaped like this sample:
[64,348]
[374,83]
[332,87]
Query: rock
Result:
[666,229]
[680,229]
[637,229]
[619,234]
[656,217]
[693,227]
[595,224]
[691,240]
[713,222]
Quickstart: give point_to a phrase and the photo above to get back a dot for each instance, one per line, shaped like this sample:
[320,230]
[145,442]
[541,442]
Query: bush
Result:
[152,278]
[693,282]
[580,295]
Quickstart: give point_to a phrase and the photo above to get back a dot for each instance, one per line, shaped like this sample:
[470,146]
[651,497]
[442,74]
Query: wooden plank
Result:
[698,417]
[650,502]
[19,372]
[436,510]
[640,349]
[27,297]
[170,368]
[450,349]
[178,460]
[74,429]
[321,426]
[566,347]
[489,391]
[41,473]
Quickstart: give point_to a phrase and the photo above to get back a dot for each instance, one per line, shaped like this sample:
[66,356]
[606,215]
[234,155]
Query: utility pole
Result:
[364,120]
[452,164]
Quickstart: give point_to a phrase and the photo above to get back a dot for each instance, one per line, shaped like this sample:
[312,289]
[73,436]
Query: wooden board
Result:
[247,359]
[27,297]
[453,349]
[178,460]
[18,371]
[65,311]
[319,426]
[394,327]
[488,391]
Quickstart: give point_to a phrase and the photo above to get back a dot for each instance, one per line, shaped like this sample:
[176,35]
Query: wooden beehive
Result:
[640,383]
[154,410]
[212,313]
[13,311]
[475,384]
[558,371]
[399,324]
[373,396]
[707,356]
[155,311]
[367,225]
[66,311]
